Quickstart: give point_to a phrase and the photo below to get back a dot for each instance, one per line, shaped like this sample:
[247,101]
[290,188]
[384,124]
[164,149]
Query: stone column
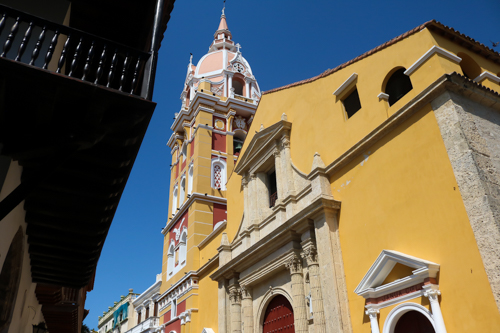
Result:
[432,293]
[373,314]
[247,305]
[248,87]
[311,256]
[235,298]
[294,264]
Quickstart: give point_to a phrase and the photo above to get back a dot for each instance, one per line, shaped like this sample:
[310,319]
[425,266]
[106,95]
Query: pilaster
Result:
[311,255]
[247,305]
[294,264]
[235,298]
[334,292]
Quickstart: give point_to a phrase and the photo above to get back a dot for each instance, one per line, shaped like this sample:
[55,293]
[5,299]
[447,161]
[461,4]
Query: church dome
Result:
[216,61]
[228,72]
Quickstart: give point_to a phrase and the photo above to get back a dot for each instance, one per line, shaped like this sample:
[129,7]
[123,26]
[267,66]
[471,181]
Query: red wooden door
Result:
[413,322]
[279,316]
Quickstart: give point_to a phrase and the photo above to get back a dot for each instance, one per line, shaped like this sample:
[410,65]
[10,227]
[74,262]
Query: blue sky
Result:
[284,42]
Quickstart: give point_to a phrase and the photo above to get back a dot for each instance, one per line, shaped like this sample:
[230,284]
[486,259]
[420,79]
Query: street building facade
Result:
[76,90]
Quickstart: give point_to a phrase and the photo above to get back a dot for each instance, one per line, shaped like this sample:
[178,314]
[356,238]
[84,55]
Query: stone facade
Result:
[471,134]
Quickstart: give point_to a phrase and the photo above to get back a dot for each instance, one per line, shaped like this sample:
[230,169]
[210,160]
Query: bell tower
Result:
[219,100]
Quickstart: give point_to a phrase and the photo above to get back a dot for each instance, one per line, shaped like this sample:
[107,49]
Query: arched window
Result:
[238,87]
[219,174]
[183,247]
[183,191]
[398,85]
[173,311]
[174,200]
[170,260]
[190,179]
[469,67]
[184,151]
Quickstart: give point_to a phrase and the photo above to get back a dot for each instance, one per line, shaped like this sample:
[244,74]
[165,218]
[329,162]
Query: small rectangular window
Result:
[273,189]
[352,103]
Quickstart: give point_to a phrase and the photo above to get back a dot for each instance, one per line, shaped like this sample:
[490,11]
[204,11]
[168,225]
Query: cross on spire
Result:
[238,46]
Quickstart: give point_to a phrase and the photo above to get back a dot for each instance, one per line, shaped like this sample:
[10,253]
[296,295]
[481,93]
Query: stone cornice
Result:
[214,102]
[193,196]
[280,236]
[208,265]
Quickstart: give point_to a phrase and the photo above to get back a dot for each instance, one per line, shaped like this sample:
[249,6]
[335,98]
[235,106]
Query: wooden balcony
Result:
[31,40]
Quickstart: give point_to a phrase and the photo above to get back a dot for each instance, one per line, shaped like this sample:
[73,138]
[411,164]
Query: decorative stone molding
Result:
[347,83]
[285,141]
[433,50]
[294,264]
[235,295]
[245,292]
[311,255]
[179,289]
[244,182]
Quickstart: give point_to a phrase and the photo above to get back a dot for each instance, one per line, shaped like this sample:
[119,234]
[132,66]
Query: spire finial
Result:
[224,7]
[238,46]
[191,59]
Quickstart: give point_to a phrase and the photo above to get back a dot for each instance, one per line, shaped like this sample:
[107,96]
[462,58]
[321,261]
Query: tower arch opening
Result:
[238,139]
[238,86]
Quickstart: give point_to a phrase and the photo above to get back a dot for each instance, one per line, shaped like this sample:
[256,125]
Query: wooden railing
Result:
[272,199]
[37,42]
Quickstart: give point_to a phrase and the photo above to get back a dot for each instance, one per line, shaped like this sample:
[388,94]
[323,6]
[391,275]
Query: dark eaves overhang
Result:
[77,143]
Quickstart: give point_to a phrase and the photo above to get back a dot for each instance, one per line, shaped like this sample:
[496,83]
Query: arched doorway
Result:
[278,316]
[413,322]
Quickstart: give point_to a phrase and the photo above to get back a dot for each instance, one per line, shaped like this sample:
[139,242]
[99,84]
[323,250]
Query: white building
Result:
[146,310]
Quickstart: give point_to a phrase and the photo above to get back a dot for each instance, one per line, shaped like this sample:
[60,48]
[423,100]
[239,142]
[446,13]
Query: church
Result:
[365,199]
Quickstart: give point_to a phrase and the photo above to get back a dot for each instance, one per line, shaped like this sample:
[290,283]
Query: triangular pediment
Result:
[207,330]
[376,283]
[260,142]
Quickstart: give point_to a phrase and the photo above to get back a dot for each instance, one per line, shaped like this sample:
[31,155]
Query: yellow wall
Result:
[402,194]
[405,198]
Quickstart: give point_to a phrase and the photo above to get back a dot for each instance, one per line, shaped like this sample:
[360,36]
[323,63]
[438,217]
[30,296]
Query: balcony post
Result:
[150,70]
